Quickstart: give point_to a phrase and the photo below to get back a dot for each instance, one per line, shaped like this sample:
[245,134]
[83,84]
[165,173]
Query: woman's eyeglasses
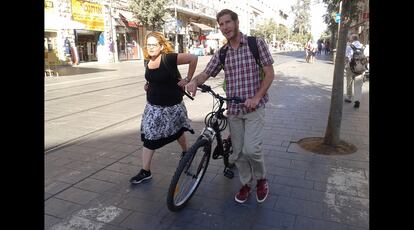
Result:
[152,45]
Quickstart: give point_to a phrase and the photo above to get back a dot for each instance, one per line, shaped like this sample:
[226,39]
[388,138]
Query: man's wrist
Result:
[193,79]
[187,79]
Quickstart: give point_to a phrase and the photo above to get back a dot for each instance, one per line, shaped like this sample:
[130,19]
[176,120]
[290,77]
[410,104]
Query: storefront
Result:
[86,40]
[127,39]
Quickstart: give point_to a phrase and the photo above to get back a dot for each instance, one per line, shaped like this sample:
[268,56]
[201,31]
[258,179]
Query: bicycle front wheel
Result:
[188,176]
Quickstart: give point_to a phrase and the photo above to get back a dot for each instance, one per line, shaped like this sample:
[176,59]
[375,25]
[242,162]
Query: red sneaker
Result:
[262,189]
[243,194]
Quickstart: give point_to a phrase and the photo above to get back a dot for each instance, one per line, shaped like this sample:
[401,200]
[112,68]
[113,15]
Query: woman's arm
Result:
[184,58]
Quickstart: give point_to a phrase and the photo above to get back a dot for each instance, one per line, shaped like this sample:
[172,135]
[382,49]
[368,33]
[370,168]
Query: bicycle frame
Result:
[192,167]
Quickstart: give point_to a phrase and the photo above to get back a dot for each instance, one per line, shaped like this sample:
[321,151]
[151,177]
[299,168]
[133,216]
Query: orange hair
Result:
[161,40]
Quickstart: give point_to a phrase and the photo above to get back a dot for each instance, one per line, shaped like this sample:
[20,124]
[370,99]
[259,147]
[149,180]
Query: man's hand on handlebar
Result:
[192,87]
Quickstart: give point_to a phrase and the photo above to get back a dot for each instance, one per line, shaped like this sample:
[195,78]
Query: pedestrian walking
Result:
[353,80]
[246,120]
[164,119]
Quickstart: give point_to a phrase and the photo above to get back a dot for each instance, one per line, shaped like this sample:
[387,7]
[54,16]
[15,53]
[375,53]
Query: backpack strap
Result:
[222,55]
[146,63]
[252,42]
[354,48]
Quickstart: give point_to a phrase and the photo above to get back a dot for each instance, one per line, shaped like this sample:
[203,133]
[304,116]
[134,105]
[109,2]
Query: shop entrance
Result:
[86,44]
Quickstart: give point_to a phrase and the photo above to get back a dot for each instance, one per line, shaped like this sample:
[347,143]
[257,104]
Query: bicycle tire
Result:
[188,170]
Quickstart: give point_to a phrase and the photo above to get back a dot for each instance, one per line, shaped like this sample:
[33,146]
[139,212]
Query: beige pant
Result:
[356,83]
[246,138]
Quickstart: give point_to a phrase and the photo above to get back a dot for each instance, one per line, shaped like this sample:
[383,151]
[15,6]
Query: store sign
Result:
[88,13]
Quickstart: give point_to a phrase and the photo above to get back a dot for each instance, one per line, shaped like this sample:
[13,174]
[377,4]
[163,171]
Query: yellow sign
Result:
[50,6]
[88,13]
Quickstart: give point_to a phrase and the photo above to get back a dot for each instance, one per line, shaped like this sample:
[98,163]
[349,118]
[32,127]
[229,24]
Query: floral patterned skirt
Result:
[161,125]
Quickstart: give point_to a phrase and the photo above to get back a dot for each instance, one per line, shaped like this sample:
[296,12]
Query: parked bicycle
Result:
[194,163]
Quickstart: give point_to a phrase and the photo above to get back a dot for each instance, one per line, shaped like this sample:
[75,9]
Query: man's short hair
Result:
[223,12]
[354,37]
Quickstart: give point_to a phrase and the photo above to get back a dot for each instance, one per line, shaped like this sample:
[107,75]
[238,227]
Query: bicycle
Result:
[194,163]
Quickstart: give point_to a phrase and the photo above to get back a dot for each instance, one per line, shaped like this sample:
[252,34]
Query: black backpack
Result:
[252,43]
[359,61]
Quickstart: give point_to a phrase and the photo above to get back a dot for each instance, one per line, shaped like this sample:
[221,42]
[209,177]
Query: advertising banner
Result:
[88,13]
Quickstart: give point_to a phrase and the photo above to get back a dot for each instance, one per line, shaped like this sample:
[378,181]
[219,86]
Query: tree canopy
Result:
[150,13]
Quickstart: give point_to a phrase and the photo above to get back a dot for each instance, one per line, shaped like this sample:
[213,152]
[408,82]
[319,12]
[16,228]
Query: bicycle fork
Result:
[210,134]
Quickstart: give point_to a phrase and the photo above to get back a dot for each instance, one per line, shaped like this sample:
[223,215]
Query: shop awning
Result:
[119,22]
[127,22]
[202,27]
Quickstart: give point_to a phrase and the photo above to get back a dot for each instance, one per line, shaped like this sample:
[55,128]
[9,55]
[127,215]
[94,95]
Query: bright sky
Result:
[317,11]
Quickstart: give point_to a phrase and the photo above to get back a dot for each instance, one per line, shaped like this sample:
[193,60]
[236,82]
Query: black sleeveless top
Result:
[163,89]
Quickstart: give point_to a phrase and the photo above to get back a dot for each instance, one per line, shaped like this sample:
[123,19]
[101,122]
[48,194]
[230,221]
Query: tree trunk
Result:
[332,133]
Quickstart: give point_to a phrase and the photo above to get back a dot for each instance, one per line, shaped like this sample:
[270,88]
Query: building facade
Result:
[78,31]
[360,25]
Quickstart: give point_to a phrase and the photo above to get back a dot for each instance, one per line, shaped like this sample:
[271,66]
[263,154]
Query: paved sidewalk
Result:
[87,183]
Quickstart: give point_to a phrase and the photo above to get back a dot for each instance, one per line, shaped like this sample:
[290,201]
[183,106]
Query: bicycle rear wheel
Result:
[188,176]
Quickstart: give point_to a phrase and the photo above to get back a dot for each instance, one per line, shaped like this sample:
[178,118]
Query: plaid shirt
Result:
[241,73]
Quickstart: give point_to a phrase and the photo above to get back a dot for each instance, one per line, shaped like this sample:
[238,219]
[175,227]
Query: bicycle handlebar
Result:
[205,88]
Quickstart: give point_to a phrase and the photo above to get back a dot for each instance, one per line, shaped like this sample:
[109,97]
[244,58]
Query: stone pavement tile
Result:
[357,228]
[148,192]
[281,171]
[50,221]
[279,189]
[60,208]
[351,216]
[142,205]
[89,218]
[310,165]
[73,176]
[293,155]
[61,161]
[346,190]
[352,202]
[85,166]
[123,168]
[56,187]
[337,179]
[112,227]
[306,223]
[144,221]
[76,195]
[274,219]
[94,185]
[47,195]
[312,195]
[302,183]
[111,176]
[295,206]
[271,160]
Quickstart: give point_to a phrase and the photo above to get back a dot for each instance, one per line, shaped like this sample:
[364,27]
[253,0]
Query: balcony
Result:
[194,8]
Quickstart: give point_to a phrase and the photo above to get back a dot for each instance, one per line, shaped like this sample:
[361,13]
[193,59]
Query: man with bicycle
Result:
[246,120]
